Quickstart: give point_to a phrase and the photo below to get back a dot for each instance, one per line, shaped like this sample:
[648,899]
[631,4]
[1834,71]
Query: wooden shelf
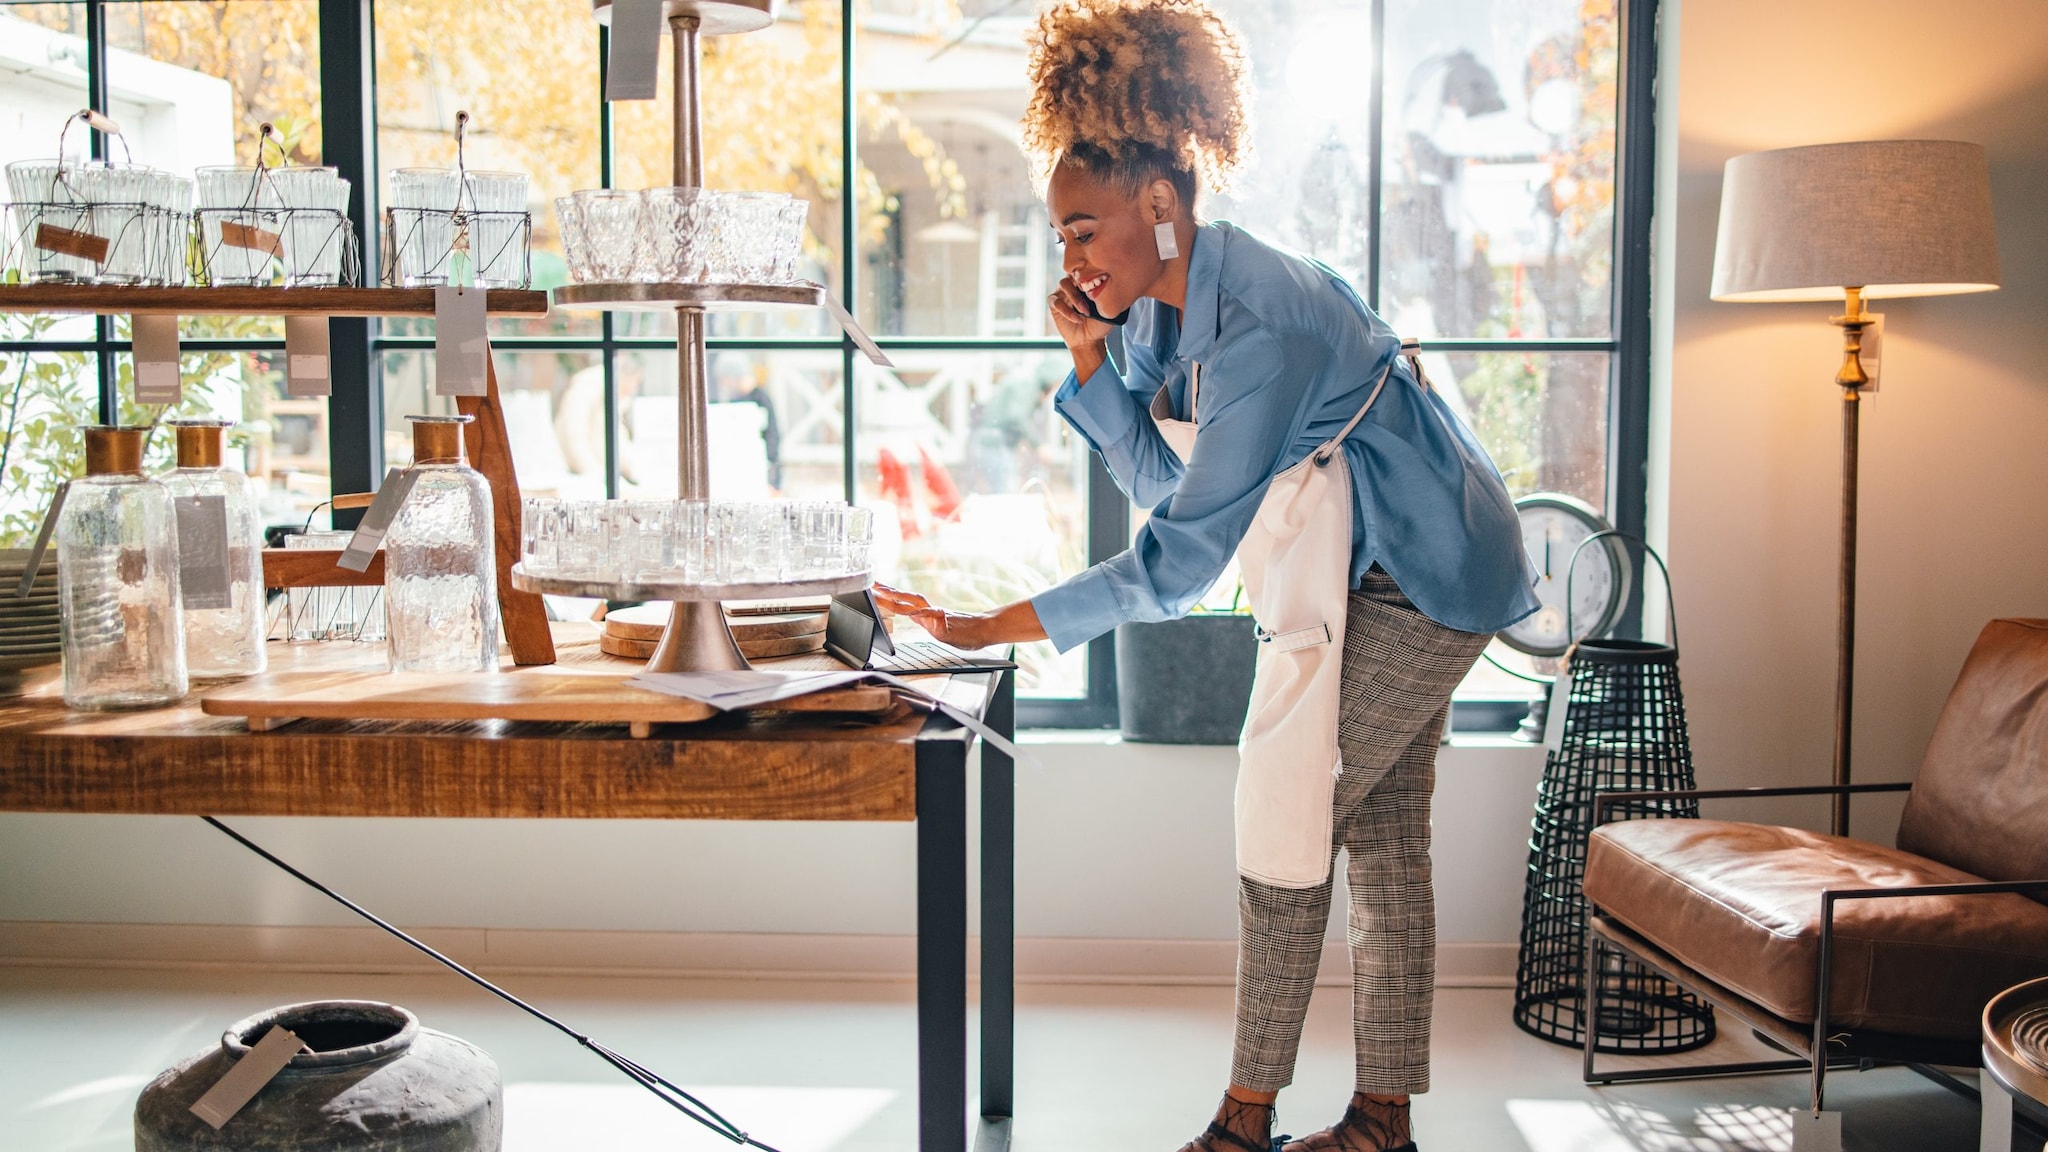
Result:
[111,300]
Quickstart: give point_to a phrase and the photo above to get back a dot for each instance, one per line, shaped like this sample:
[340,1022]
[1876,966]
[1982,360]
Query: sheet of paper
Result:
[746,689]
[634,63]
[157,379]
[309,371]
[462,352]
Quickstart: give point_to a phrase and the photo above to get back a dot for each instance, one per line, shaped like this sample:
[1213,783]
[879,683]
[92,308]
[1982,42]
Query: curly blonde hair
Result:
[1138,89]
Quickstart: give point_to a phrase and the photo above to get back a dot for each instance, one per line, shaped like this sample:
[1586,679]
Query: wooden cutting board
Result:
[752,649]
[646,621]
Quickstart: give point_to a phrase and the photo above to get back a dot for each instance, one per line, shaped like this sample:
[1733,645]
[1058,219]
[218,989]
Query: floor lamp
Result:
[1854,222]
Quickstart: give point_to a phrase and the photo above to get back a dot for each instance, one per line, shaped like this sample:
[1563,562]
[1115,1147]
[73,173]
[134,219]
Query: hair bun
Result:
[1125,76]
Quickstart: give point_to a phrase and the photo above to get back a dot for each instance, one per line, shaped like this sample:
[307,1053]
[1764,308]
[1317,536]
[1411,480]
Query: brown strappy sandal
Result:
[1375,1126]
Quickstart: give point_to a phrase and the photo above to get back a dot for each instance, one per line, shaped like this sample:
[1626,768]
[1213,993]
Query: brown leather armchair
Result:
[1889,954]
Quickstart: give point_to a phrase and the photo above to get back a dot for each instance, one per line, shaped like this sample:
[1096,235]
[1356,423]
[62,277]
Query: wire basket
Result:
[1623,731]
[299,247]
[455,226]
[135,243]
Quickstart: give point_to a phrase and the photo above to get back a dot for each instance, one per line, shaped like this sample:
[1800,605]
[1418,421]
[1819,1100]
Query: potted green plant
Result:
[1187,681]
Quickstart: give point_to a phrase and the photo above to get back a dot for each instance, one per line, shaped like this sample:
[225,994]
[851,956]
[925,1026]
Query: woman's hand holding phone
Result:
[1079,325]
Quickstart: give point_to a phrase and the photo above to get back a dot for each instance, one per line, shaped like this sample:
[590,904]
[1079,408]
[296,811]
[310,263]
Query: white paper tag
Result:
[1816,1131]
[204,581]
[307,371]
[1553,720]
[369,534]
[634,65]
[860,337]
[41,547]
[462,352]
[259,1066]
[157,380]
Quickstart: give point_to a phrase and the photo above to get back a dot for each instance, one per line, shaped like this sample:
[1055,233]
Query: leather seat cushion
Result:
[1740,903]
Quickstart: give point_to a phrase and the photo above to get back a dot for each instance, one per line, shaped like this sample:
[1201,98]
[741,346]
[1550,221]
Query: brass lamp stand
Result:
[1869,219]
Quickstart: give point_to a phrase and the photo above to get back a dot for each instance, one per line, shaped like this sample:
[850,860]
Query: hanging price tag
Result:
[157,379]
[308,371]
[65,242]
[42,545]
[635,60]
[204,582]
[251,237]
[856,333]
[462,353]
[369,534]
[247,1076]
[1553,720]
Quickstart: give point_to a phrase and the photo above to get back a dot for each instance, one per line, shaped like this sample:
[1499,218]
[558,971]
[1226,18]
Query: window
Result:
[1477,168]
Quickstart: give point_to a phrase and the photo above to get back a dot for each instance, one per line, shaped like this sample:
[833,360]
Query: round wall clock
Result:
[1553,527]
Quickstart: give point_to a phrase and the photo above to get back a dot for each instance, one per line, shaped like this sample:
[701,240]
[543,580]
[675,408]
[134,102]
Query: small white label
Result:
[258,1067]
[369,535]
[157,380]
[307,369]
[462,351]
[205,583]
[634,65]
[858,334]
[1816,1131]
[41,547]
[1553,720]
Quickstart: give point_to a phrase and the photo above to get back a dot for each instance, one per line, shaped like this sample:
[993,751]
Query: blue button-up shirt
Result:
[1288,354]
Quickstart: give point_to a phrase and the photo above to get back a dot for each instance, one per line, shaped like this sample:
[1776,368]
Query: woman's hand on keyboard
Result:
[1010,624]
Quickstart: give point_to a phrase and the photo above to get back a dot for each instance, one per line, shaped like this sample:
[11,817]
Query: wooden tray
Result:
[647,621]
[556,694]
[631,649]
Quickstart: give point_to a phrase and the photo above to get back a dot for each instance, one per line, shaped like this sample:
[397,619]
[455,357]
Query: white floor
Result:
[812,1067]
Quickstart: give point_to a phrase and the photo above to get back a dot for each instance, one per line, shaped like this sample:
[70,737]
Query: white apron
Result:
[1296,561]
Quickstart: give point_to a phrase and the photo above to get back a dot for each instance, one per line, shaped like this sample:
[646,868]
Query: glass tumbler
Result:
[117,575]
[540,535]
[48,192]
[497,233]
[575,249]
[423,205]
[170,229]
[119,195]
[789,241]
[750,235]
[643,540]
[240,205]
[672,236]
[347,612]
[611,231]
[316,202]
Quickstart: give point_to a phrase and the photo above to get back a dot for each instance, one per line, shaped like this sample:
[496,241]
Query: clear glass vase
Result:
[440,575]
[117,576]
[220,557]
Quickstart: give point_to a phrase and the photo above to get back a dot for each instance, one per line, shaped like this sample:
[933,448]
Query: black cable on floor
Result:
[673,1096]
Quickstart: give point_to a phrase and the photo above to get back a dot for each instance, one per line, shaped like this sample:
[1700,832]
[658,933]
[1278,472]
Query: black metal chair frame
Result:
[1816,1049]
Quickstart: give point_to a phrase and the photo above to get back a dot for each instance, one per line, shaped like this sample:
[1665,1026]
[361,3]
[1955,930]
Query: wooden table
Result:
[903,765]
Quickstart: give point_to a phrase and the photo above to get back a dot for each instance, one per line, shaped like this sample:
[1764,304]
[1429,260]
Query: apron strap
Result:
[1411,351]
[1329,447]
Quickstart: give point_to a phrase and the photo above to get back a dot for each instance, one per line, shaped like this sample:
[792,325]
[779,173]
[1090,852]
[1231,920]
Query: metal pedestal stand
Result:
[697,639]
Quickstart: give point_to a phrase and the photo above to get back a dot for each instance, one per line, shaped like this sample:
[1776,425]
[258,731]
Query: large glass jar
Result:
[220,556]
[117,575]
[440,575]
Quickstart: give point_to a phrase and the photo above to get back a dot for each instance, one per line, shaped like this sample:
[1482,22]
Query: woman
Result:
[1264,410]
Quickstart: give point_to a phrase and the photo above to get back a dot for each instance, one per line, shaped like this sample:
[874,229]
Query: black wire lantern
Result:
[1616,724]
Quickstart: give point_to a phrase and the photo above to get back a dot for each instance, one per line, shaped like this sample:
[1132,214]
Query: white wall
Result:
[1954,519]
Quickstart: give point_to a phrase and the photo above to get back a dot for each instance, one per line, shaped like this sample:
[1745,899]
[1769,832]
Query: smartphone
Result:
[1120,319]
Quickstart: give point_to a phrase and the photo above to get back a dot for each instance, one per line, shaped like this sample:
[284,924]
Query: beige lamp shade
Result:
[1892,217]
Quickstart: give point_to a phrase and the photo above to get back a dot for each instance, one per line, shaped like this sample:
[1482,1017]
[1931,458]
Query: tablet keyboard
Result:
[918,656]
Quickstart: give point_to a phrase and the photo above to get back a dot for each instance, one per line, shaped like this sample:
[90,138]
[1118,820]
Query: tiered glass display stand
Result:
[697,638]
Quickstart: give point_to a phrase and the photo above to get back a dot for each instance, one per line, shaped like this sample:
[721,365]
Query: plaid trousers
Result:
[1399,670]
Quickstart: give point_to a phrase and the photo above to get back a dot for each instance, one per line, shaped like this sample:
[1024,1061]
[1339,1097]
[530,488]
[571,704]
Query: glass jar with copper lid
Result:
[117,576]
[220,559]
[440,574]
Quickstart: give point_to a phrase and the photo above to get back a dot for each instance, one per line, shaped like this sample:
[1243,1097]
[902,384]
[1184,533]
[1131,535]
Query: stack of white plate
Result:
[28,625]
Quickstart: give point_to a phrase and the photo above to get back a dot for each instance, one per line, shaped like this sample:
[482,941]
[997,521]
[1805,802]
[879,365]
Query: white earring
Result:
[1162,235]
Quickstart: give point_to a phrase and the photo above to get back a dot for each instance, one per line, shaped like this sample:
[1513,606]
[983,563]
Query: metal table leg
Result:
[942,945]
[998,925]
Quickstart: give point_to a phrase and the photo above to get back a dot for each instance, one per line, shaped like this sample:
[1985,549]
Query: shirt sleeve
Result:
[1110,415]
[1251,414]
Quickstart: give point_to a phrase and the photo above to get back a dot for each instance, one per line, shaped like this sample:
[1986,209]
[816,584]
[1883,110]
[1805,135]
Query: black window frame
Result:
[347,60]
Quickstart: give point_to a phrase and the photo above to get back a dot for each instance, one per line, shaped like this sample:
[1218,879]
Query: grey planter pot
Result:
[1185,681]
[375,1082]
